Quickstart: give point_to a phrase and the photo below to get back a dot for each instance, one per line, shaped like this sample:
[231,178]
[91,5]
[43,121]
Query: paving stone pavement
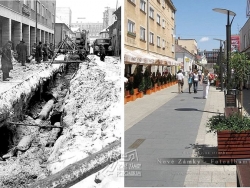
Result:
[174,126]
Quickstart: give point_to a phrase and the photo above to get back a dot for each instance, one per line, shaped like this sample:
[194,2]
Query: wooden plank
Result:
[233,156]
[235,152]
[222,142]
[235,135]
[235,139]
[234,146]
[74,173]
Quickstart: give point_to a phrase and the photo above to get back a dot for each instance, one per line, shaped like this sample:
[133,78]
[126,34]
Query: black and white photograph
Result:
[60,93]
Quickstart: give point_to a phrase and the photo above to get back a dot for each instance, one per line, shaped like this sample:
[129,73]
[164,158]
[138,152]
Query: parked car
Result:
[106,42]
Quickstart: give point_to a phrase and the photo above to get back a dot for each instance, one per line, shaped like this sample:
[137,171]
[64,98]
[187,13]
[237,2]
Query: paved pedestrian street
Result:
[166,131]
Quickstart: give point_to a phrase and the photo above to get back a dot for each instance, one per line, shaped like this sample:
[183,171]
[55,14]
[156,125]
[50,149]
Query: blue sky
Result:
[195,19]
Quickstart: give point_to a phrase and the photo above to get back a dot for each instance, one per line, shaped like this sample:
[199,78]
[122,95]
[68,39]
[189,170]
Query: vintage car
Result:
[106,42]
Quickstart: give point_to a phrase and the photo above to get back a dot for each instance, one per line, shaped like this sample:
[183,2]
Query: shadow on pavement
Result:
[209,154]
[194,109]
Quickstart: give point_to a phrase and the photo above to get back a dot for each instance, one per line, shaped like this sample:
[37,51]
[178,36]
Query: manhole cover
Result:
[136,144]
[182,99]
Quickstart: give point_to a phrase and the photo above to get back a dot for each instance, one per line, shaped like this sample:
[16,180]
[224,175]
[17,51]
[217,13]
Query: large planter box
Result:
[233,145]
[148,91]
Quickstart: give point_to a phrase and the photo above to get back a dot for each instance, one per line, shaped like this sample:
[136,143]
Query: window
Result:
[163,43]
[245,41]
[163,23]
[158,19]
[143,5]
[43,9]
[172,31]
[151,38]
[131,26]
[133,1]
[38,7]
[163,4]
[142,33]
[172,14]
[158,41]
[151,13]
[172,48]
[32,4]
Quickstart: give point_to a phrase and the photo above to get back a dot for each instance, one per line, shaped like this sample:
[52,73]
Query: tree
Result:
[240,65]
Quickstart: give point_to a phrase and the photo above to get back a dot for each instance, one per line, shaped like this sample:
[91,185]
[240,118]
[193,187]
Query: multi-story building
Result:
[93,28]
[18,21]
[211,56]
[108,17]
[115,33]
[245,37]
[64,14]
[149,27]
[188,44]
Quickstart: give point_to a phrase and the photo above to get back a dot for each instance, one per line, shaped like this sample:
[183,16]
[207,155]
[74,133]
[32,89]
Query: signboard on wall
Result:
[235,43]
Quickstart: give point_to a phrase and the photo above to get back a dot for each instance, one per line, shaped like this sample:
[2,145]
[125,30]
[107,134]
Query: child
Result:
[190,82]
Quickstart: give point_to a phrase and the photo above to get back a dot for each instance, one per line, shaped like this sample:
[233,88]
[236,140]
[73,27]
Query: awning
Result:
[140,57]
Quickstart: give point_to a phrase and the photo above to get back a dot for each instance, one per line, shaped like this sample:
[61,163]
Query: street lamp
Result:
[228,37]
[221,71]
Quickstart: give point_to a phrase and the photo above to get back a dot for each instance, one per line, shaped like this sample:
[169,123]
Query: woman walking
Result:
[195,80]
[205,83]
[190,82]
[6,61]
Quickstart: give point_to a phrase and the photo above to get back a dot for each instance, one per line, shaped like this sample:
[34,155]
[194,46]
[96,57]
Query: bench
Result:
[243,172]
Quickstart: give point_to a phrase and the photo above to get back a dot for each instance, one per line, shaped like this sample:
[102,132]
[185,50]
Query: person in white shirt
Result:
[199,74]
[180,79]
[205,83]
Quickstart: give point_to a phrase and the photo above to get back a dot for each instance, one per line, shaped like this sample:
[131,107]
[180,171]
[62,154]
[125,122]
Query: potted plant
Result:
[147,81]
[233,135]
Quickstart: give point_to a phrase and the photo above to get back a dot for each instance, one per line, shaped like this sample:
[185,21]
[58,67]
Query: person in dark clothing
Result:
[45,52]
[23,53]
[51,51]
[38,55]
[6,61]
[102,53]
[18,51]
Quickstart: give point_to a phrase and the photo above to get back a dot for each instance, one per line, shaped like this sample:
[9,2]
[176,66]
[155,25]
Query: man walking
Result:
[199,75]
[18,51]
[23,53]
[180,79]
[39,52]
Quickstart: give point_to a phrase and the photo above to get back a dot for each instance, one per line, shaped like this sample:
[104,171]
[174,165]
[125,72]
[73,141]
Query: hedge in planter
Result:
[233,136]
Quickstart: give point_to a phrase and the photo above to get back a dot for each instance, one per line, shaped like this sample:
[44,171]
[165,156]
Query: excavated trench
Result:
[29,134]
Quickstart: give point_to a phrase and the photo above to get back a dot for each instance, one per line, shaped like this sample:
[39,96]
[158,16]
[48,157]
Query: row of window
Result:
[131,29]
[40,8]
[88,26]
[151,10]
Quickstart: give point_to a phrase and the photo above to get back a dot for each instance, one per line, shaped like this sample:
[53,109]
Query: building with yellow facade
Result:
[149,27]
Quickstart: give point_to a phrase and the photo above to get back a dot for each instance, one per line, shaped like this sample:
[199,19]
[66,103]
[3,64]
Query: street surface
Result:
[174,126]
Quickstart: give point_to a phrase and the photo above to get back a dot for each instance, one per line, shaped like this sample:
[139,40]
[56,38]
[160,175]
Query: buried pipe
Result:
[76,172]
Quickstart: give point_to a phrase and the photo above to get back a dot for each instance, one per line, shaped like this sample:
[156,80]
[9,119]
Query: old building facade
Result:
[18,21]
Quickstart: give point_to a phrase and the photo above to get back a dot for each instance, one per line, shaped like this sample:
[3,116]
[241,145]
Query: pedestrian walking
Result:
[51,51]
[38,55]
[190,82]
[205,83]
[6,63]
[23,53]
[102,53]
[199,74]
[180,79]
[195,81]
[45,52]
[18,51]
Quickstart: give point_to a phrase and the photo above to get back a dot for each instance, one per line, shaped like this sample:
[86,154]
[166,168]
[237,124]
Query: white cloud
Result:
[204,39]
